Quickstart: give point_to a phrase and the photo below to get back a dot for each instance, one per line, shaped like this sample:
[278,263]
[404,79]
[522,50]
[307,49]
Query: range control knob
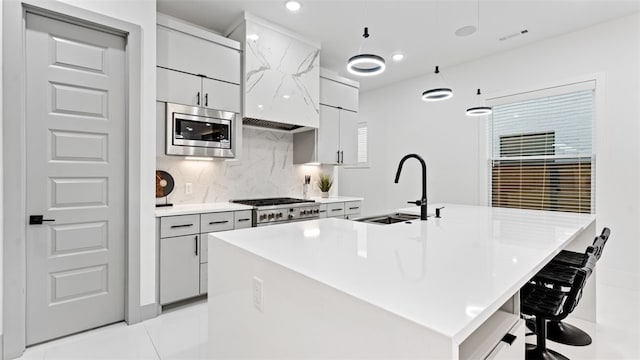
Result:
[290,216]
[271,216]
[263,216]
[278,215]
[316,211]
[290,210]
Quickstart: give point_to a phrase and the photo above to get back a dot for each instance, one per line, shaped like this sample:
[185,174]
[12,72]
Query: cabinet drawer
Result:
[352,207]
[323,211]
[219,221]
[179,225]
[335,210]
[204,278]
[242,219]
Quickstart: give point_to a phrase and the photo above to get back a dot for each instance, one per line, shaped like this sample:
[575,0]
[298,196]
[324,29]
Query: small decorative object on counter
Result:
[164,186]
[305,187]
[324,183]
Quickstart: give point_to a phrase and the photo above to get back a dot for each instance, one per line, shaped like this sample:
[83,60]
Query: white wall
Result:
[142,13]
[453,145]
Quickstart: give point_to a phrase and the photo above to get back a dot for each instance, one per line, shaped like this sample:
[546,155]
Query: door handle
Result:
[196,244]
[38,219]
[198,98]
[206,99]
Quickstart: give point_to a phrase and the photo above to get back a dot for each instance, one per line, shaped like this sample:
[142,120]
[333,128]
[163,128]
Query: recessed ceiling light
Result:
[397,57]
[253,37]
[292,5]
[286,96]
[466,30]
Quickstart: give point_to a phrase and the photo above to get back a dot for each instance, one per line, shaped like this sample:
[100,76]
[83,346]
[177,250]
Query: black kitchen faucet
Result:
[423,201]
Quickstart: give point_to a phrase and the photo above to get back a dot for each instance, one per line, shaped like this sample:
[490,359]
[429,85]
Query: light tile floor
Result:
[182,334]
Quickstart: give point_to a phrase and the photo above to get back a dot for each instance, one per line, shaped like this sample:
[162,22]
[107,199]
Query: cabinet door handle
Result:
[338,156]
[354,208]
[240,220]
[206,99]
[196,245]
[198,98]
[181,226]
[336,209]
[341,157]
[323,211]
[218,222]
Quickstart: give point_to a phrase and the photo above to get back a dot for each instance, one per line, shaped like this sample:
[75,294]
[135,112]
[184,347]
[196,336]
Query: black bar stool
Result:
[551,304]
[560,273]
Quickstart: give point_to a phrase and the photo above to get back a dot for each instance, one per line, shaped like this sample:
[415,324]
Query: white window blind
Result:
[363,155]
[542,153]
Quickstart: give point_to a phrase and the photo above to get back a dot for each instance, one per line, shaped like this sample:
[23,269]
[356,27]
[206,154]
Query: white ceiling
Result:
[421,29]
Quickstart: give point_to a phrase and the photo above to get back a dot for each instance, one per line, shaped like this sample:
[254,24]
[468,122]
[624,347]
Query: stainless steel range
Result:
[272,211]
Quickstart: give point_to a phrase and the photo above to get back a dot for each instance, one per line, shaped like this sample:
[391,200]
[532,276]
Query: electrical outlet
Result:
[257,293]
[188,188]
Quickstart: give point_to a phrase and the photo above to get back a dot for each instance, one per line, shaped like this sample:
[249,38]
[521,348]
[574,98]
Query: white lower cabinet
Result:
[184,259]
[179,268]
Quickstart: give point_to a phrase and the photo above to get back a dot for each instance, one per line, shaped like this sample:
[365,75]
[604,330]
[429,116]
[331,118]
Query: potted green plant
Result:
[324,184]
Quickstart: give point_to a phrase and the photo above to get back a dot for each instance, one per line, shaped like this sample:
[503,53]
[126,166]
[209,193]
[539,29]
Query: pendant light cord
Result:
[365,15]
[478,15]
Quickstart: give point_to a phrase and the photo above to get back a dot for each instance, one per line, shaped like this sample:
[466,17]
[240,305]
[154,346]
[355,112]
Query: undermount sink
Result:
[389,218]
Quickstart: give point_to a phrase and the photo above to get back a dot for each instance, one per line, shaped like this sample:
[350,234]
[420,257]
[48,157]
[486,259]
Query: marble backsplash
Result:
[265,170]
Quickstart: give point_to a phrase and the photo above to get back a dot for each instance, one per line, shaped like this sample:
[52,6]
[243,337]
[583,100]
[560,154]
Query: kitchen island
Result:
[445,288]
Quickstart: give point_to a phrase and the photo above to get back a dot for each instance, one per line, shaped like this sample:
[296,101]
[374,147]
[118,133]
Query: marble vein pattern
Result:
[282,77]
[265,170]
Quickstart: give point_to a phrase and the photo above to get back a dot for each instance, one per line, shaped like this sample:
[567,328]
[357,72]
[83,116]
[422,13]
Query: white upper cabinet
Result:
[338,94]
[194,50]
[336,139]
[281,74]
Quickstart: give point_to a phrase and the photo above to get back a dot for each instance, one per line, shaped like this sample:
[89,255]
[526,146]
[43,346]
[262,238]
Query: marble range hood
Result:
[281,88]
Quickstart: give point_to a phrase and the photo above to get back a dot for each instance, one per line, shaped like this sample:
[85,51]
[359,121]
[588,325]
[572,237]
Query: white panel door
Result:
[349,137]
[75,131]
[328,135]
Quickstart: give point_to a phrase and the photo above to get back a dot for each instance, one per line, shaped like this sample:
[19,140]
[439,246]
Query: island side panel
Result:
[302,318]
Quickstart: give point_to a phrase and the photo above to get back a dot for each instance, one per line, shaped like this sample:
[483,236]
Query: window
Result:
[363,145]
[542,155]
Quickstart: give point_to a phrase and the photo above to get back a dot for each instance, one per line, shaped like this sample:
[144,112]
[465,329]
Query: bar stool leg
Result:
[540,351]
[565,333]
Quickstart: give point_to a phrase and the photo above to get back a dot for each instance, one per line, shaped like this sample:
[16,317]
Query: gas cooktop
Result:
[271,201]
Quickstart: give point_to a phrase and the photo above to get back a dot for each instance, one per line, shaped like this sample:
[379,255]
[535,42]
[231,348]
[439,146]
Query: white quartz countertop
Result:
[447,274]
[186,209]
[336,199]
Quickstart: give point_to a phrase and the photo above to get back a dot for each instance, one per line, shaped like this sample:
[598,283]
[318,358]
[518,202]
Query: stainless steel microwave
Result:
[196,131]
